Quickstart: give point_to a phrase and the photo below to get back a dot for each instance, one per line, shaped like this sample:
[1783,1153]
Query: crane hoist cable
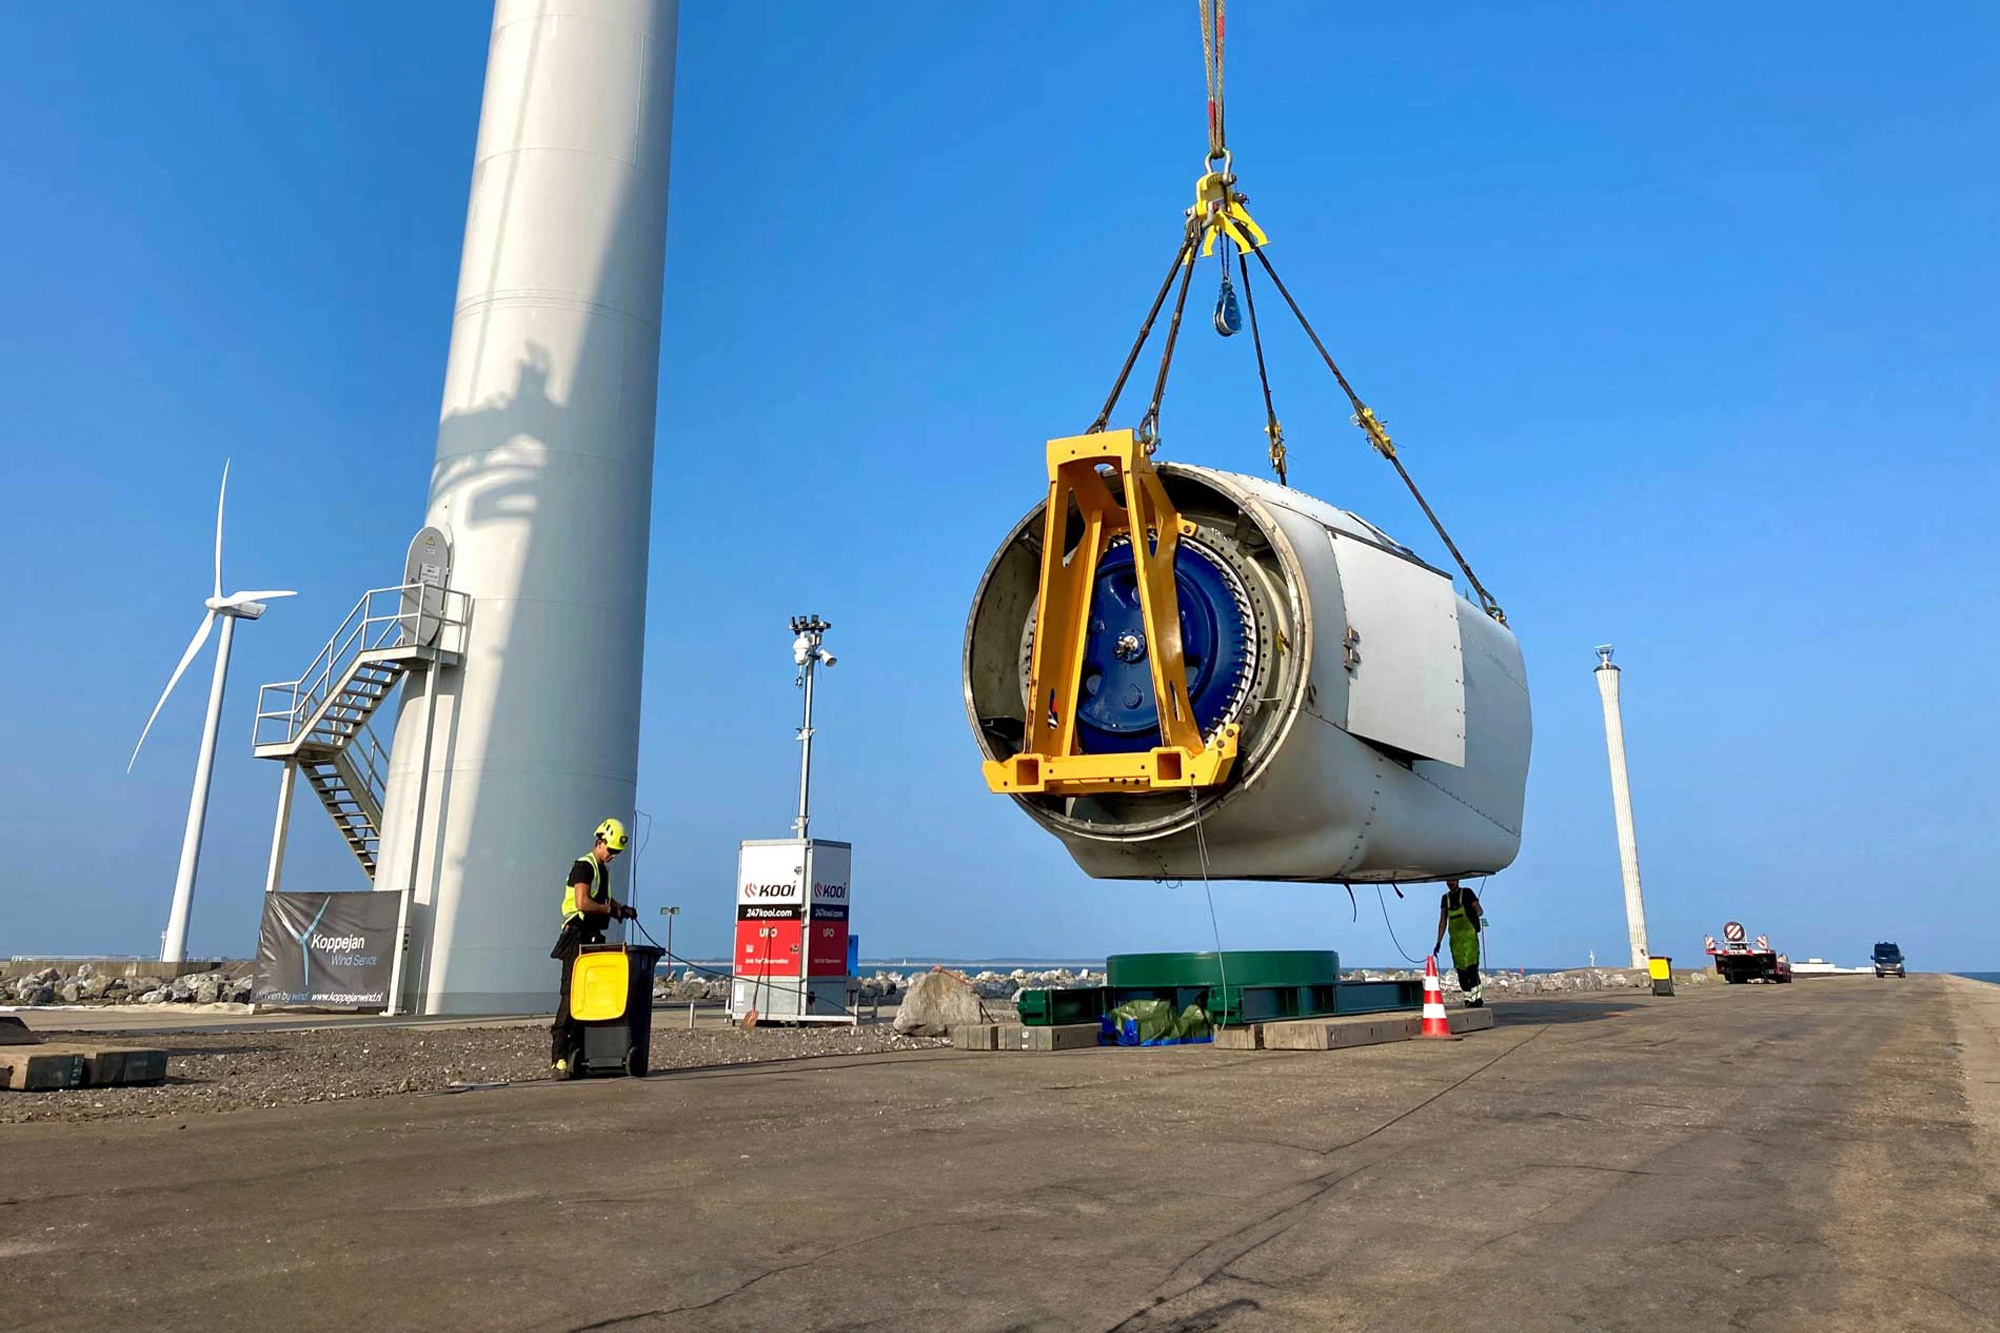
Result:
[1212,16]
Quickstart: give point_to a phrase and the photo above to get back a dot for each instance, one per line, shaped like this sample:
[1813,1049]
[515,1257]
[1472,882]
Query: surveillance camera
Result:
[826,658]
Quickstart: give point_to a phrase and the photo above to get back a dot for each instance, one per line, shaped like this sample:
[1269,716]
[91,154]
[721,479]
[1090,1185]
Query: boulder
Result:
[84,972]
[207,989]
[40,994]
[934,1004]
[70,992]
[694,990]
[153,997]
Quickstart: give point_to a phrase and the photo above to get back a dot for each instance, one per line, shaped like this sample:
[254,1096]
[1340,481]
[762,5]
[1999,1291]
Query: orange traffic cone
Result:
[1435,1022]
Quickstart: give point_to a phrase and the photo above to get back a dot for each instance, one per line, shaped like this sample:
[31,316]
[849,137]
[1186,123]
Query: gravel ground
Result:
[236,1071]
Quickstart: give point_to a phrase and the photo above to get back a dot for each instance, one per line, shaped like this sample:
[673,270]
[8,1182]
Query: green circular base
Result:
[1244,967]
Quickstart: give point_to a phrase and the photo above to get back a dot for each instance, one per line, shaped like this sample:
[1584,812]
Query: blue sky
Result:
[1685,319]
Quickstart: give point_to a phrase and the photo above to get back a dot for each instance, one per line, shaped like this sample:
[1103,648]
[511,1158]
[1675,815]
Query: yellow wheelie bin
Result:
[611,1003]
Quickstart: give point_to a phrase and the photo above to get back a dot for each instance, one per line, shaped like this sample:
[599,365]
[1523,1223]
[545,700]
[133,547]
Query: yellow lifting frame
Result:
[1049,763]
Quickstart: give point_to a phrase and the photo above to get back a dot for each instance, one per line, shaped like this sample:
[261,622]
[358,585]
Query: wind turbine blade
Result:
[261,595]
[194,646]
[220,496]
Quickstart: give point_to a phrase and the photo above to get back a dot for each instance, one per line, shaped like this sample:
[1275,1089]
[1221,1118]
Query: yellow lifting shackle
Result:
[1219,210]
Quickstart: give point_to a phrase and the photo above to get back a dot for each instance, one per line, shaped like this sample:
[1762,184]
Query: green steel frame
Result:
[1233,987]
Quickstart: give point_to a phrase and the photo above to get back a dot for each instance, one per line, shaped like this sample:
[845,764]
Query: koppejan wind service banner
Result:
[326,950]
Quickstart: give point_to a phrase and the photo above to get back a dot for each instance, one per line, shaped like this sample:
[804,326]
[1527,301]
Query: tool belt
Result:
[577,932]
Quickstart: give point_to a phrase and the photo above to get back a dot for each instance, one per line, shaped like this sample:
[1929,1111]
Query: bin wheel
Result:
[635,1062]
[575,1069]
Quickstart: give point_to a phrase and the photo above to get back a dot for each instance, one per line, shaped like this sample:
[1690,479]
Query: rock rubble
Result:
[691,987]
[1574,981]
[85,984]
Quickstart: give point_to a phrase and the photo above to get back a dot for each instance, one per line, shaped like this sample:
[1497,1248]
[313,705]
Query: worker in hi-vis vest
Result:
[587,910]
[1459,916]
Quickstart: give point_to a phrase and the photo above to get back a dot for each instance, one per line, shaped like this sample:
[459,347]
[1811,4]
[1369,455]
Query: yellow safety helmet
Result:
[612,834]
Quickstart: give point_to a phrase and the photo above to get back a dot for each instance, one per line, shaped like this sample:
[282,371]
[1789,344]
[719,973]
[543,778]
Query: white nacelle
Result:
[1385,730]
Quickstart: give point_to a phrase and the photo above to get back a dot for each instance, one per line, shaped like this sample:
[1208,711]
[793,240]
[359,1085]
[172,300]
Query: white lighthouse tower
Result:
[1621,804]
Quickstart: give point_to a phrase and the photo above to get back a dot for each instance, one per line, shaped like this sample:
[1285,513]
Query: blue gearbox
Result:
[1117,712]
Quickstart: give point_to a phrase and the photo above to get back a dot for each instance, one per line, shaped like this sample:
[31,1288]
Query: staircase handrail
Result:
[371,762]
[367,628]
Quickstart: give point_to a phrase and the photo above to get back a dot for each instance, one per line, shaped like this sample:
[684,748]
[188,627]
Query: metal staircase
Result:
[319,724]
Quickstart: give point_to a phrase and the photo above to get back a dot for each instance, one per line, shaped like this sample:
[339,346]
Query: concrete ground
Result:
[1824,1155]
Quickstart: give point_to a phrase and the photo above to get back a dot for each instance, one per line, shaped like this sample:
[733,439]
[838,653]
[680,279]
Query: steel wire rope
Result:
[1181,255]
[1485,956]
[1322,1180]
[1149,425]
[632,892]
[1201,846]
[1414,962]
[1366,419]
[764,983]
[1272,429]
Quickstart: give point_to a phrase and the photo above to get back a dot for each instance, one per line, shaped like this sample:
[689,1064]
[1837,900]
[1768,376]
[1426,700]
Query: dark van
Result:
[1888,959]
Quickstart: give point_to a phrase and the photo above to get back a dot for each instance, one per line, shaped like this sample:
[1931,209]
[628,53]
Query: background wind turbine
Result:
[235,607]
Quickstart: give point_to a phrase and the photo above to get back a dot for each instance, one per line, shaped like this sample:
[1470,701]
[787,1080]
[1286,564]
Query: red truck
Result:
[1739,960]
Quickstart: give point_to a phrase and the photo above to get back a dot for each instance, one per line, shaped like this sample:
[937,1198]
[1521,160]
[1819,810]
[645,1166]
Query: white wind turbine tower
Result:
[236,606]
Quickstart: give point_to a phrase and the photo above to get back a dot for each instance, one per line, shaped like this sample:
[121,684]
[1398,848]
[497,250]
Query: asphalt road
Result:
[1824,1155]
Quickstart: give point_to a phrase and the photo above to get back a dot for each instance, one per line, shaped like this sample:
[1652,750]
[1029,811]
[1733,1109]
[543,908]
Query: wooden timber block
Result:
[1332,1034]
[976,1037]
[38,1069]
[114,1066]
[1063,1037]
[1249,1037]
[123,1066]
[14,1032]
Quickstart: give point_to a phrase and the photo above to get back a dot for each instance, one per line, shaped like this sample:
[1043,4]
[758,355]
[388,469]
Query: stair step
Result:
[346,781]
